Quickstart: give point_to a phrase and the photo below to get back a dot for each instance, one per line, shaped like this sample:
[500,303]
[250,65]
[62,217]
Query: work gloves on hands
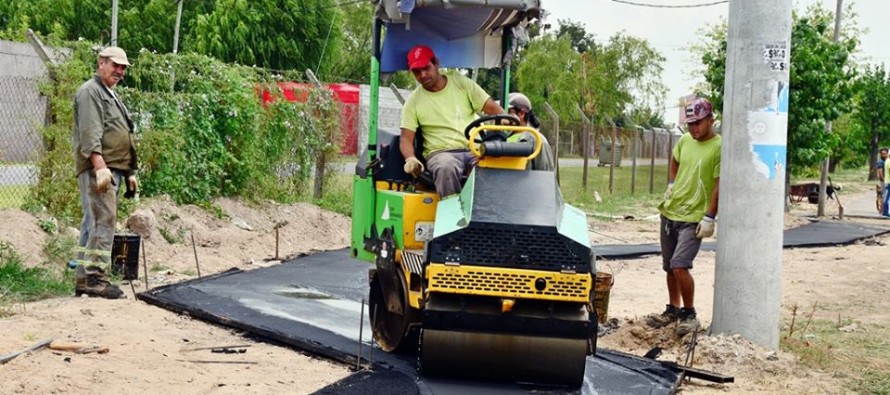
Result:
[413,166]
[705,227]
[103,179]
[132,186]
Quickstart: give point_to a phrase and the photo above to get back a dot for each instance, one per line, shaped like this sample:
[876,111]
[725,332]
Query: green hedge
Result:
[202,131]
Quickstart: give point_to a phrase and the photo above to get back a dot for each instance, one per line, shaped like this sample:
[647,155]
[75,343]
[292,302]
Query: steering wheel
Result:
[512,120]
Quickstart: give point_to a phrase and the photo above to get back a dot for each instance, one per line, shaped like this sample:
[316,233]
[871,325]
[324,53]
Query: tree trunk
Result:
[873,157]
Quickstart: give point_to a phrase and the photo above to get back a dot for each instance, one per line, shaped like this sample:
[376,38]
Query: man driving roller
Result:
[441,107]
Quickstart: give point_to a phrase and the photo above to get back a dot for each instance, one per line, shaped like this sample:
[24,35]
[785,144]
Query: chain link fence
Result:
[22,114]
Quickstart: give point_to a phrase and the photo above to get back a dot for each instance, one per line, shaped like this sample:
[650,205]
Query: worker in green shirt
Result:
[440,109]
[688,213]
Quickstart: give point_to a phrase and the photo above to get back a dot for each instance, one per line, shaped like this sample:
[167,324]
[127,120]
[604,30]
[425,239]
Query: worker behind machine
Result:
[440,109]
[521,107]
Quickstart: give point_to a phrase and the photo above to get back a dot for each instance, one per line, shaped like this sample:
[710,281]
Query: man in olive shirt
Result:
[688,213]
[104,156]
[442,107]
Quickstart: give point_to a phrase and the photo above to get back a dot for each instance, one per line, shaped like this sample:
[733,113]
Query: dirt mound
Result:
[25,235]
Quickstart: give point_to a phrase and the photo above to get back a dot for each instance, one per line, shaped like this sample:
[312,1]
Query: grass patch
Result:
[337,195]
[624,199]
[59,249]
[859,354]
[25,284]
[13,196]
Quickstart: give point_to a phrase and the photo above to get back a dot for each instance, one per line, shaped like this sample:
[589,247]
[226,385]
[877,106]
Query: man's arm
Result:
[406,143]
[712,208]
[490,108]
[675,167]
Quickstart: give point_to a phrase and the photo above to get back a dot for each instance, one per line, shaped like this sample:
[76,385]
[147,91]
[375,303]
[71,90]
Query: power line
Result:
[671,6]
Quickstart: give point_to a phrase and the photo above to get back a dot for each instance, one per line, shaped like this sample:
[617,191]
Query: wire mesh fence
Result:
[634,159]
[22,115]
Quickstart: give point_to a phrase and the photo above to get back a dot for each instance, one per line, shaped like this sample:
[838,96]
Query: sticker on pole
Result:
[768,130]
[776,56]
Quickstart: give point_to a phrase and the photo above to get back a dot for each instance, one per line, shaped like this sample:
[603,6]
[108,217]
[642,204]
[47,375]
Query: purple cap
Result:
[698,109]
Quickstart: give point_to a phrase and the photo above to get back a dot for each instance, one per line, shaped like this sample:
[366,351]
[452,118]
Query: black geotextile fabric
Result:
[814,234]
[313,303]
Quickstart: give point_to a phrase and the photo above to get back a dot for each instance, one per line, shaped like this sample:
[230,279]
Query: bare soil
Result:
[150,348]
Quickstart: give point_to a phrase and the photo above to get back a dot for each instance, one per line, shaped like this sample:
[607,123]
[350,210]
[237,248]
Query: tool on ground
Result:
[36,346]
[77,348]
[237,346]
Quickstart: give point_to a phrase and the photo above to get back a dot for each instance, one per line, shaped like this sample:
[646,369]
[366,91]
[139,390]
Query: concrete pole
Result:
[748,277]
[823,180]
[113,23]
[176,30]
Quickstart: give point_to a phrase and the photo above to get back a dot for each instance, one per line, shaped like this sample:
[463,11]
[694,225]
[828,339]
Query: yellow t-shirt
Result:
[443,115]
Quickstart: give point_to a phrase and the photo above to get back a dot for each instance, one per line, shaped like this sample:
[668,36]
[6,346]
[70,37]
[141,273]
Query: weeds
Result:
[24,284]
[172,237]
[854,351]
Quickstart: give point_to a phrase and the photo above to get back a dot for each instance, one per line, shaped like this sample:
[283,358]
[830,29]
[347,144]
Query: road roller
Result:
[493,283]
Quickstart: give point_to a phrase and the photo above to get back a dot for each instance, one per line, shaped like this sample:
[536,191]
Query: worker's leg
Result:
[448,167]
[90,277]
[886,212]
[87,222]
[668,237]
[687,249]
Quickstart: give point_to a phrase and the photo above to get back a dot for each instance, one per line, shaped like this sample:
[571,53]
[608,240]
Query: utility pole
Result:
[176,31]
[748,276]
[113,23]
[823,180]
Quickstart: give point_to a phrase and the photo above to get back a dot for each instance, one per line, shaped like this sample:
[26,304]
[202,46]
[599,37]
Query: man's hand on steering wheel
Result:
[499,119]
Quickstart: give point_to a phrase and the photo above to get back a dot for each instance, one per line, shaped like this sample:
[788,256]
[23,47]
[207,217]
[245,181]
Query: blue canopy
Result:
[462,33]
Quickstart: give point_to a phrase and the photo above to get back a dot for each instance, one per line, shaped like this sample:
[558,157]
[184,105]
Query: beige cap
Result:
[519,100]
[116,54]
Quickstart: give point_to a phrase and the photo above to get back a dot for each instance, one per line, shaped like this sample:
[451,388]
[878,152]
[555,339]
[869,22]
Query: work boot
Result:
[688,322]
[93,281]
[669,316]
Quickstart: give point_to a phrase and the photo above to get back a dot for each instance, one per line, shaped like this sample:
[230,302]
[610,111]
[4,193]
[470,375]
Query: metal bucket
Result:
[601,291]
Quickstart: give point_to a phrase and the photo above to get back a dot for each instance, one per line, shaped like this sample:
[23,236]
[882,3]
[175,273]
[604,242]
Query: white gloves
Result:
[705,227]
[413,166]
[669,191]
[103,179]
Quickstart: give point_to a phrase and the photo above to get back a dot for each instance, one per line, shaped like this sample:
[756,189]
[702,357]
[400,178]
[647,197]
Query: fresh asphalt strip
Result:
[814,234]
[314,303]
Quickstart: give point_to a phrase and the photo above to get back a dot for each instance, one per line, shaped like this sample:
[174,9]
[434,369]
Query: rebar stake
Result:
[195,250]
[361,327]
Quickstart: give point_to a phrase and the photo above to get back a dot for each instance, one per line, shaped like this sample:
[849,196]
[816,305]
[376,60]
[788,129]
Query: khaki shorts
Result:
[679,246]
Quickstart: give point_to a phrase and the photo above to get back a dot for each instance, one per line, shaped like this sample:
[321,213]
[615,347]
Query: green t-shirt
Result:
[696,178]
[443,115]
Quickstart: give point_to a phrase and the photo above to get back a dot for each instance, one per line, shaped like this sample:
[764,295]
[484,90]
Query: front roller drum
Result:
[510,357]
[393,326]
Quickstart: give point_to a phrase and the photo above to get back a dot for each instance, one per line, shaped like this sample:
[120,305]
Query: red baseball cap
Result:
[419,57]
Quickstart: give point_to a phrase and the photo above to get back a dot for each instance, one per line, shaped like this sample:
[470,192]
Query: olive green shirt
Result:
[102,125]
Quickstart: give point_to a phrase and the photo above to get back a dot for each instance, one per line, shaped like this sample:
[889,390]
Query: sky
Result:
[672,31]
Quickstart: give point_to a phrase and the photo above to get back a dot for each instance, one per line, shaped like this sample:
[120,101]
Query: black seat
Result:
[391,166]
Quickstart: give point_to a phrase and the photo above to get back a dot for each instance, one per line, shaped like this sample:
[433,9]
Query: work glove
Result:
[669,191]
[413,166]
[132,186]
[103,179]
[705,227]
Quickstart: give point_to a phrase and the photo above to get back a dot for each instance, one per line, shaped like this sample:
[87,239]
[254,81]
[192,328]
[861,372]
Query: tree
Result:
[821,89]
[351,62]
[581,40]
[276,34]
[873,109]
